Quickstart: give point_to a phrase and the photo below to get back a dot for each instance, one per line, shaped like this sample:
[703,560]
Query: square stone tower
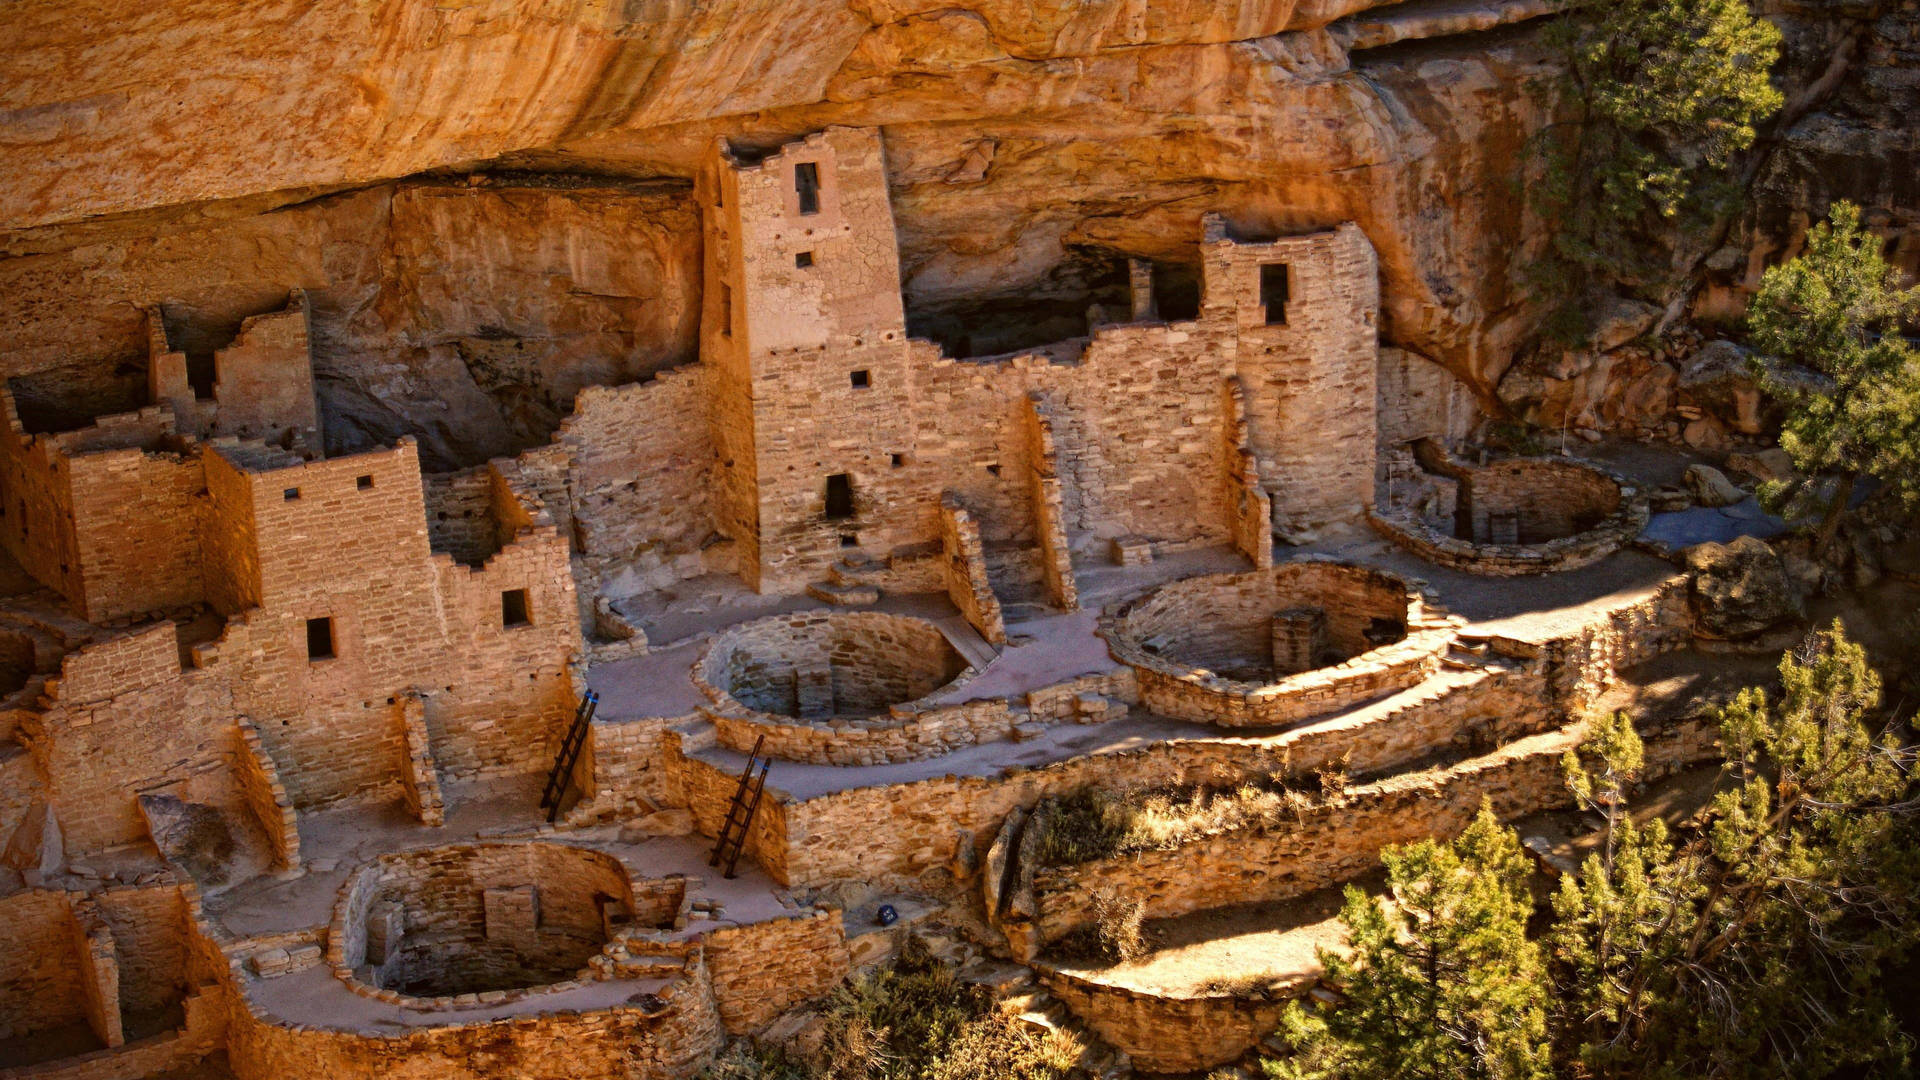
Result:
[803,326]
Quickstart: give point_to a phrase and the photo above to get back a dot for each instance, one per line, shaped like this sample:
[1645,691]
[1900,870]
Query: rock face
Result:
[1739,589]
[1031,146]
[466,315]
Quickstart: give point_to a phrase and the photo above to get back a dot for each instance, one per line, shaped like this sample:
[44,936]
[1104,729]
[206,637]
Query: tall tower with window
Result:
[804,330]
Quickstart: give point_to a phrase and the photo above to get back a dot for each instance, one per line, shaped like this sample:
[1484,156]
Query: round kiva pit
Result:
[819,666]
[473,918]
[1520,516]
[1272,647]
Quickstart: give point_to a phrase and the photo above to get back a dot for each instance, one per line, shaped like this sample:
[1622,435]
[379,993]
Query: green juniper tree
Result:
[1442,981]
[1827,328]
[1754,947]
[1660,99]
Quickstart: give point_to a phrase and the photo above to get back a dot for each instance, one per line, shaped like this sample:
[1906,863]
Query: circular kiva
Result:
[437,924]
[1277,646]
[836,688]
[1523,516]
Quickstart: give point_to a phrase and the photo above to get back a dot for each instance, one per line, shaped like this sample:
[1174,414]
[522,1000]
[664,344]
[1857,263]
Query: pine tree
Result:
[1827,325]
[1660,99]
[1754,948]
[1442,981]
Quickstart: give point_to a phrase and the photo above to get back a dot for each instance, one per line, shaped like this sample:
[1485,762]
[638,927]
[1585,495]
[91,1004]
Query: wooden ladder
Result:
[569,756]
[746,801]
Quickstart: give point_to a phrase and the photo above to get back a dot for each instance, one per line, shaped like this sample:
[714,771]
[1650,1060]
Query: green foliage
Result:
[1754,947]
[914,1019]
[1828,325]
[1661,97]
[1442,981]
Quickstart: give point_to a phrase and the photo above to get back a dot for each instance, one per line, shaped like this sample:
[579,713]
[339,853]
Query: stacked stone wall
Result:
[1310,380]
[1342,839]
[762,969]
[638,477]
[40,984]
[446,938]
[460,519]
[122,721]
[1178,636]
[964,561]
[1540,498]
[346,540]
[1049,505]
[1172,1032]
[932,823]
[262,793]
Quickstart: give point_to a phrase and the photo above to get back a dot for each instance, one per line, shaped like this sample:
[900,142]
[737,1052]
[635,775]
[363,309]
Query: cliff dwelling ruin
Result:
[401,603]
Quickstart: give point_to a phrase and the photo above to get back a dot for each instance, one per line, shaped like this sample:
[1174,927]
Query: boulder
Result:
[1763,465]
[36,846]
[1719,378]
[1739,589]
[1711,487]
[658,823]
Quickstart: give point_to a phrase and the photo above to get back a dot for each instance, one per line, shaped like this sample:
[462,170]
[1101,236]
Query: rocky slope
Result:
[210,156]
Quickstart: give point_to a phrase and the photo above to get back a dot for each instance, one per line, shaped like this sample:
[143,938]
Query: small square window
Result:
[513,608]
[994,470]
[861,380]
[848,540]
[320,639]
[899,460]
[290,494]
[364,483]
[803,260]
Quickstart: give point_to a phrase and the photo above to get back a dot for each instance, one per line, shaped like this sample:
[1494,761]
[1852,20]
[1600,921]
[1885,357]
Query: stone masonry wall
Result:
[346,540]
[1340,840]
[638,478]
[1169,1032]
[123,720]
[39,970]
[1049,506]
[1249,507]
[964,559]
[762,969]
[1310,380]
[932,822]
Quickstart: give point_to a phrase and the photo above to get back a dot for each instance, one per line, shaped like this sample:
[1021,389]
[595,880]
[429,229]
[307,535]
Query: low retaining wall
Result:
[1338,841]
[1174,636]
[1172,1032]
[1526,486]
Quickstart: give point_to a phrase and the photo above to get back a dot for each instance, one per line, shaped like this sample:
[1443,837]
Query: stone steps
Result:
[967,641]
[828,592]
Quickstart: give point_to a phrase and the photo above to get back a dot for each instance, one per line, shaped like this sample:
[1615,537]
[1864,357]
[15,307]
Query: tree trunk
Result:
[1830,527]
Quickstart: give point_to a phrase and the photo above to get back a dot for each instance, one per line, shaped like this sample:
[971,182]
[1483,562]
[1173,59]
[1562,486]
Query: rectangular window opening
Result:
[726,311]
[803,260]
[320,639]
[806,184]
[1273,293]
[840,496]
[290,494]
[513,608]
[364,483]
[899,460]
[861,380]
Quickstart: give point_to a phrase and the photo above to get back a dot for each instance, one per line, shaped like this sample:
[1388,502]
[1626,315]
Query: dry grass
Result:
[1096,824]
